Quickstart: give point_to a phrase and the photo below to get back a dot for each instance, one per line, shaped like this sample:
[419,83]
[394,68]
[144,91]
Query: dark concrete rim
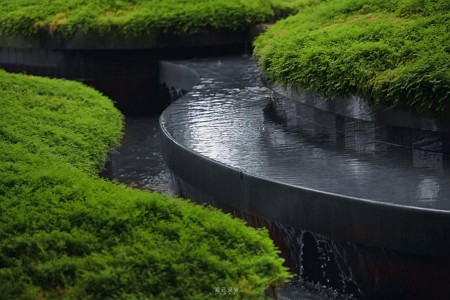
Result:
[93,40]
[414,230]
[378,114]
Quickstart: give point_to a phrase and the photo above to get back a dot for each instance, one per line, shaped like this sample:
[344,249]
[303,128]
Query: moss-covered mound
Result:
[396,53]
[284,8]
[130,17]
[137,17]
[65,232]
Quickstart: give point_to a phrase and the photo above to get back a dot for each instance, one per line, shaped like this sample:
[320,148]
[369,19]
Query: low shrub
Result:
[66,233]
[394,53]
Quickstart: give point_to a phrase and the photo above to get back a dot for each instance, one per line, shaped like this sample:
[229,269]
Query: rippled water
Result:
[138,161]
[245,126]
[232,118]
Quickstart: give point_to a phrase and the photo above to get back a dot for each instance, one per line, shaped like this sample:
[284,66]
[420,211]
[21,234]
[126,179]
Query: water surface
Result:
[232,118]
[138,161]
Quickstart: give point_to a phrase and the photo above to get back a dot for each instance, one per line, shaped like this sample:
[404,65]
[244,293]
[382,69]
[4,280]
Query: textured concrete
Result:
[123,68]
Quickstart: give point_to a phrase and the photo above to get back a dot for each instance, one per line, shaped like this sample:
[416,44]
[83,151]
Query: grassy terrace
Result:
[394,53]
[137,17]
[65,232]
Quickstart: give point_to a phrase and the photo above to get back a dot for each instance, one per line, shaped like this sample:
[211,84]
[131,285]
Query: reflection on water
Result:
[231,118]
[428,190]
[138,161]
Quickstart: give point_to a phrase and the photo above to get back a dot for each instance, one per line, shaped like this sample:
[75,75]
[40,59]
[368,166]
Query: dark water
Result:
[138,161]
[233,119]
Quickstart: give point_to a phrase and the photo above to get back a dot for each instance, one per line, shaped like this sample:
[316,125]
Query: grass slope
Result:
[395,53]
[66,233]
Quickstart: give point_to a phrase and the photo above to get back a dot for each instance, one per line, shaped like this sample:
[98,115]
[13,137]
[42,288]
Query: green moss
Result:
[395,53]
[138,17]
[66,233]
[130,17]
[284,8]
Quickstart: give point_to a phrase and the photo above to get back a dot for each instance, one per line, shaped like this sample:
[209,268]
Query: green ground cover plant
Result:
[130,17]
[66,233]
[285,8]
[393,53]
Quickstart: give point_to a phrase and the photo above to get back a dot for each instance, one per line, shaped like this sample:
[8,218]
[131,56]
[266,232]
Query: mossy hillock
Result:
[285,8]
[139,17]
[392,53]
[66,233]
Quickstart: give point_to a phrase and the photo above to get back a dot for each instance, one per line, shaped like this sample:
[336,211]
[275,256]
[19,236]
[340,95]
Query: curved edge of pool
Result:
[355,107]
[412,230]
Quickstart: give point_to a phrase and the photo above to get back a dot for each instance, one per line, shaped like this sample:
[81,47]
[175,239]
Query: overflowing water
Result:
[232,118]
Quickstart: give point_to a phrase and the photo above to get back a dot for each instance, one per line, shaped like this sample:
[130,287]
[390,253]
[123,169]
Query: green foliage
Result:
[285,8]
[58,118]
[137,17]
[395,53]
[66,233]
[129,17]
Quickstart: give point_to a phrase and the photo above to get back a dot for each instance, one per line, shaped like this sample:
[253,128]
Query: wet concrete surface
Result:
[378,188]
[243,125]
[231,118]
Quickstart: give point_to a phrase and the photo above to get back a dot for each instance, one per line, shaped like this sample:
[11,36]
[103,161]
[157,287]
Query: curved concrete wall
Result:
[405,229]
[375,123]
[177,76]
[80,40]
[123,68]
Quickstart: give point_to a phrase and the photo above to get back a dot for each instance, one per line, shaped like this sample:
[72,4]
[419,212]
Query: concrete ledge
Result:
[377,123]
[178,76]
[92,40]
[370,249]
[126,69]
[405,229]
